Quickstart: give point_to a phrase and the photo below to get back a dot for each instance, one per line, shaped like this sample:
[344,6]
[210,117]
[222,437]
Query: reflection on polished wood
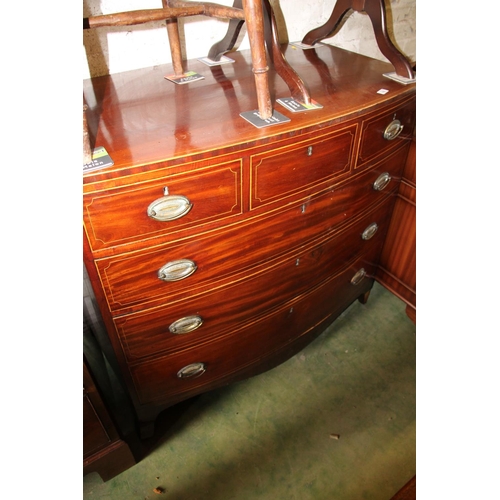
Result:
[142,118]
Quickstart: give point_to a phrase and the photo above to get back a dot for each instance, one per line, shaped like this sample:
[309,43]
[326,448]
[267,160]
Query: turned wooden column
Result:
[174,42]
[254,19]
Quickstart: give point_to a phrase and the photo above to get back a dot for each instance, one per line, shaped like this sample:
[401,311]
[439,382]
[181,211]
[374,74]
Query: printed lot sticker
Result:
[211,62]
[295,106]
[254,118]
[190,76]
[100,159]
[304,46]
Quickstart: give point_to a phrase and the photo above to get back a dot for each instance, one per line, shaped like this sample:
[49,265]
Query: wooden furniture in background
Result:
[408,491]
[298,89]
[254,12]
[397,269]
[104,451]
[376,11]
[217,250]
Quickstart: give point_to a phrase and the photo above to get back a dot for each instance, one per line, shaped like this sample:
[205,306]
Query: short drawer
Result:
[163,206]
[383,132]
[178,325]
[281,173]
[131,280]
[185,373]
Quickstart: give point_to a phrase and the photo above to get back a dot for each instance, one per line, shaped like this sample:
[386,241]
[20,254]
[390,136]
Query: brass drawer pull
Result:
[358,277]
[192,370]
[382,181]
[393,130]
[169,208]
[177,270]
[370,231]
[185,325]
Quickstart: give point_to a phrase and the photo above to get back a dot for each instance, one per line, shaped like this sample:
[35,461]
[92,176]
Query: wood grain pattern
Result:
[229,355]
[276,223]
[119,216]
[397,270]
[254,292]
[131,279]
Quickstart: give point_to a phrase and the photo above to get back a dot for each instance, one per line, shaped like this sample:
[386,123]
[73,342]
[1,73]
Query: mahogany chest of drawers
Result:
[216,249]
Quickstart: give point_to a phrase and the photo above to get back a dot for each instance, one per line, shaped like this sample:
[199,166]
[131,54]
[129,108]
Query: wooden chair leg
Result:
[174,42]
[87,148]
[255,28]
[297,87]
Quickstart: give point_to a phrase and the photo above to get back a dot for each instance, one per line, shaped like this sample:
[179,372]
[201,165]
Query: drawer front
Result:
[384,132]
[120,217]
[284,172]
[205,366]
[131,281]
[209,315]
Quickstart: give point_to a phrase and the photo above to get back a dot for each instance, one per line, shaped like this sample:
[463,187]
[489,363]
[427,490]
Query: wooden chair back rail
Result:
[148,15]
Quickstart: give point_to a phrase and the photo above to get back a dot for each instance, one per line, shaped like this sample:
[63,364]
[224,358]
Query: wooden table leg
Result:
[228,42]
[328,29]
[376,12]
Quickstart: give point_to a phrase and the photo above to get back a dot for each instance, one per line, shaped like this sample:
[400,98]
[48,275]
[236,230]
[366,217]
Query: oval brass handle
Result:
[170,207]
[192,370]
[393,130]
[358,277]
[382,181]
[370,231]
[177,270]
[185,325]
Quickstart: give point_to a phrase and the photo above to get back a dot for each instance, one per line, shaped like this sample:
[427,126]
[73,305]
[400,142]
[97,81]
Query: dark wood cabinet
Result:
[217,250]
[104,451]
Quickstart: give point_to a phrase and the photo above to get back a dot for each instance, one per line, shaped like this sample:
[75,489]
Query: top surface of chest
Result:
[141,118]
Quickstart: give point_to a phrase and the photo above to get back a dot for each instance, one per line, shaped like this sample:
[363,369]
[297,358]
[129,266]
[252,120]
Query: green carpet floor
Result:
[335,422]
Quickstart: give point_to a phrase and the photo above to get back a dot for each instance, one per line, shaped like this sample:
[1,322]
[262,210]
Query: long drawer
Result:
[177,325]
[204,366]
[131,281]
